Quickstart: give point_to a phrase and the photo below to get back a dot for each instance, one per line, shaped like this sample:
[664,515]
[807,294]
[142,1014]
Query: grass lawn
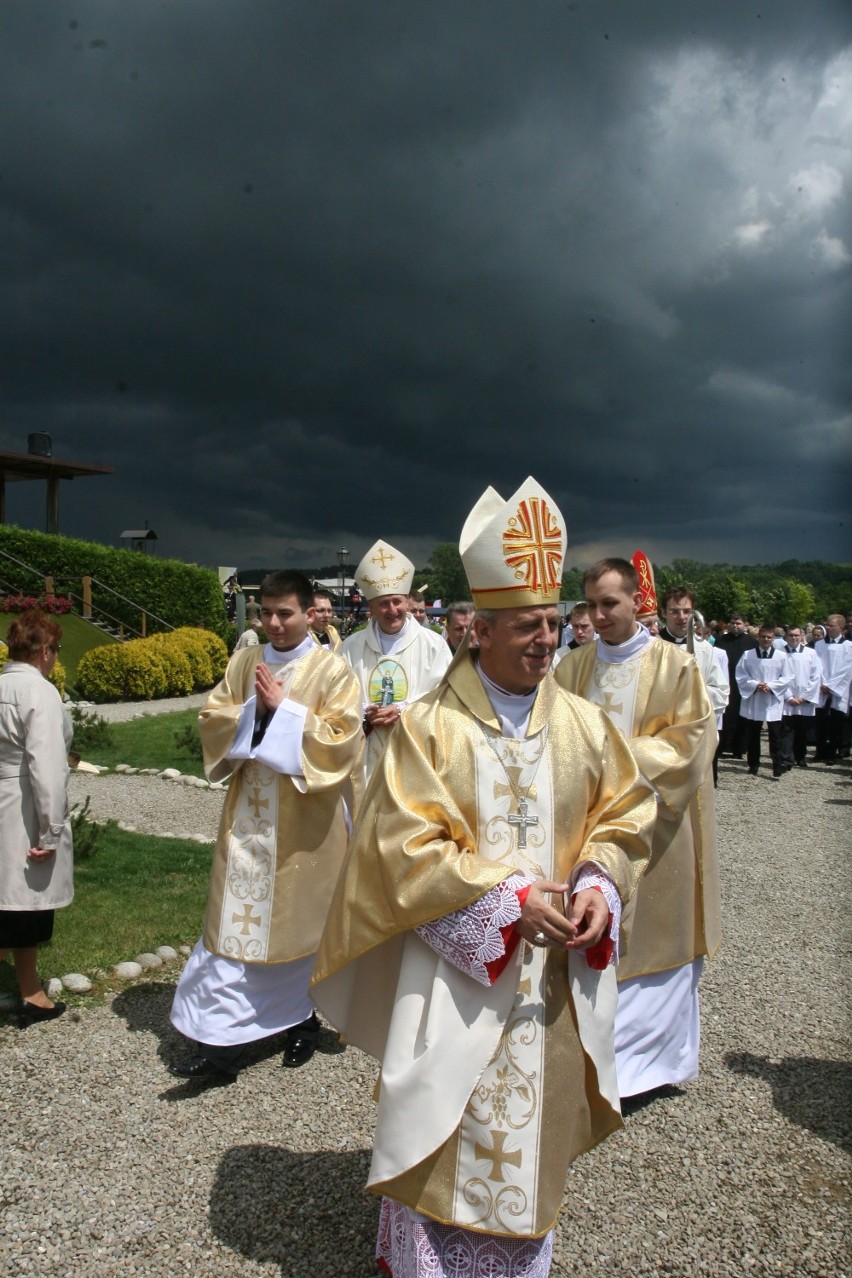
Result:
[136,892]
[78,636]
[148,742]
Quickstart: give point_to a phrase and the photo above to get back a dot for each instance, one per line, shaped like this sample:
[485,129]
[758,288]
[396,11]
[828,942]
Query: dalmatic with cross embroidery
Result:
[281,838]
[486,1093]
[658,700]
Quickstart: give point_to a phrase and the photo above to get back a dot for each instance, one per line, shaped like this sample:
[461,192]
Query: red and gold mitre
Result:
[645,573]
[513,551]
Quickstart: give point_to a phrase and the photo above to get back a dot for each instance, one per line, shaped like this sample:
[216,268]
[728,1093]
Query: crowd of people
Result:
[485,853]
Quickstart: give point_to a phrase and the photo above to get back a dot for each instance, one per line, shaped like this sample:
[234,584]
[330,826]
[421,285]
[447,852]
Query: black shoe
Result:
[301,1043]
[803,764]
[31,1013]
[753,771]
[202,1070]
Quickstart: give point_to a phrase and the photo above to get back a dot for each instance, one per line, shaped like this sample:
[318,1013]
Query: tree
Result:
[447,580]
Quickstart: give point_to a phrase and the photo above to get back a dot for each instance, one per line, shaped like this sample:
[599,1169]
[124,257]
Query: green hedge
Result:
[165,665]
[181,594]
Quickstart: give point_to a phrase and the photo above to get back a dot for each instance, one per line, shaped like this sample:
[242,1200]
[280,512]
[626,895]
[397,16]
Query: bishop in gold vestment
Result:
[493,1033]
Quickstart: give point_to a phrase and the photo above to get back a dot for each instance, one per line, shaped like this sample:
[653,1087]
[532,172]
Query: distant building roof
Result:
[20,466]
[140,534]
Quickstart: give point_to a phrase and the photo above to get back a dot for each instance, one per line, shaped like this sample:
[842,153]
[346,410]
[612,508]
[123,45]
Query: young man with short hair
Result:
[323,628]
[285,726]
[764,677]
[655,694]
[801,699]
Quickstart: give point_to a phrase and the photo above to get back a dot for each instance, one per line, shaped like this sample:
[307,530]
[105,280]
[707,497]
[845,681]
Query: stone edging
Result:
[130,970]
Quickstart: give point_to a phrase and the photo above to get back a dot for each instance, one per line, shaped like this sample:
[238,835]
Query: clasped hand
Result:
[268,690]
[583,926]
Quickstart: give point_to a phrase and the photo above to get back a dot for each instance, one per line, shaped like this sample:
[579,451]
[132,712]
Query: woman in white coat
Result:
[36,874]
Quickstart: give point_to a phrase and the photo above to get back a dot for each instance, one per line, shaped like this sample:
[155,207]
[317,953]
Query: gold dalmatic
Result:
[281,838]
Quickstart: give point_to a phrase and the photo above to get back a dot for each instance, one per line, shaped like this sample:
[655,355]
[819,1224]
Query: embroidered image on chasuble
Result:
[282,838]
[481,1136]
[659,701]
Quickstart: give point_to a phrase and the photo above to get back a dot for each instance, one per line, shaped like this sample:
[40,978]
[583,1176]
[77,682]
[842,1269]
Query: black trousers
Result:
[829,733]
[753,744]
[794,737]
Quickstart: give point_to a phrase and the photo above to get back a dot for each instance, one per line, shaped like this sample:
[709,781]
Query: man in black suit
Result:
[735,643]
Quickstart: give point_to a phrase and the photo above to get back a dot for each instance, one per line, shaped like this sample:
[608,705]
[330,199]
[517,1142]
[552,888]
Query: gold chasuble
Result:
[486,1093]
[281,839]
[659,701]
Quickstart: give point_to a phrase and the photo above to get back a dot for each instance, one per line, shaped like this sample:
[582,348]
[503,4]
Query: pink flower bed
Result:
[56,604]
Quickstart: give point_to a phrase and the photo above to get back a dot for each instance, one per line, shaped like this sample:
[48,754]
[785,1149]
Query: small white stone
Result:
[77,983]
[127,827]
[216,785]
[149,772]
[200,838]
[185,950]
[127,971]
[166,953]
[54,987]
[94,768]
[169,774]
[168,834]
[131,772]
[122,767]
[149,961]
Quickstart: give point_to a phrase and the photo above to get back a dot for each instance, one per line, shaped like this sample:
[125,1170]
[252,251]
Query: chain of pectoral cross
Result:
[520,819]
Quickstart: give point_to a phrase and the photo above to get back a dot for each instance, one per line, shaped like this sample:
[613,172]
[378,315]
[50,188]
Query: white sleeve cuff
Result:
[281,746]
[588,874]
[241,749]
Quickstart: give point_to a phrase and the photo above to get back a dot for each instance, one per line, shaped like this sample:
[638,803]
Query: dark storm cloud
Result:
[310,274]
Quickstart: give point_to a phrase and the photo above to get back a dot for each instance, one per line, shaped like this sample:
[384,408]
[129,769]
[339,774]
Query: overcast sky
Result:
[307,274]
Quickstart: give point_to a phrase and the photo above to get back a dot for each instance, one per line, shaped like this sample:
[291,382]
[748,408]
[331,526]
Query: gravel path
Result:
[111,1168]
[122,711]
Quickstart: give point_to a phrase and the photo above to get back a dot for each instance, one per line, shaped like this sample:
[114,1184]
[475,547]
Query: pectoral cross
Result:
[256,803]
[497,1155]
[520,821]
[382,558]
[610,705]
[246,920]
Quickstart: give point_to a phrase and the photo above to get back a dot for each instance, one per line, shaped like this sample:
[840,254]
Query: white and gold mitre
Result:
[384,571]
[513,551]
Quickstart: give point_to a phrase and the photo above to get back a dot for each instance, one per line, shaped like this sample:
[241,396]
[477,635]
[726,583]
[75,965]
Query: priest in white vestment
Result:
[395,658]
[655,694]
[285,726]
[470,939]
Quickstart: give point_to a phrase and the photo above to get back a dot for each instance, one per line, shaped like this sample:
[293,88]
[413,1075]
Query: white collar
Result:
[513,709]
[614,653]
[272,657]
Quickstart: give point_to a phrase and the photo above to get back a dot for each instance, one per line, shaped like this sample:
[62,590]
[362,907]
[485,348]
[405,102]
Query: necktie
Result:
[764,655]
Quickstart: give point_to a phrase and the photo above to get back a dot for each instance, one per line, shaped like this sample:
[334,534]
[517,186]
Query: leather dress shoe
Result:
[202,1070]
[301,1043]
[32,1014]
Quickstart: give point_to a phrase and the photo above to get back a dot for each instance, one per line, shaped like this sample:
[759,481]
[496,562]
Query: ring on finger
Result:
[539,939]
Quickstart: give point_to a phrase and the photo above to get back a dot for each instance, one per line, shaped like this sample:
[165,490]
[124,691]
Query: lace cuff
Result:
[590,875]
[473,937]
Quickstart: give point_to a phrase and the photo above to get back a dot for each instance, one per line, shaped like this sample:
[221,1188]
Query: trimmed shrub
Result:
[167,665]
